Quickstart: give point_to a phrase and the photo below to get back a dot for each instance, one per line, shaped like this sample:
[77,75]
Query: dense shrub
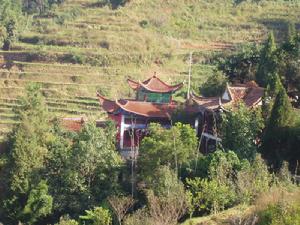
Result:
[214,86]
[113,3]
[279,214]
[240,66]
[97,216]
[209,195]
[240,129]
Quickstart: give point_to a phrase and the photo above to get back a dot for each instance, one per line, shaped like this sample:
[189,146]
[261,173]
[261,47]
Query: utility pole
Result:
[190,73]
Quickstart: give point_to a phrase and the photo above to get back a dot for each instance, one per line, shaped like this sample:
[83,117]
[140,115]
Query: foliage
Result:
[282,116]
[39,6]
[139,217]
[240,129]
[39,203]
[214,86]
[80,185]
[26,154]
[252,180]
[113,3]
[171,147]
[166,210]
[97,216]
[268,62]
[278,214]
[165,182]
[288,58]
[96,157]
[241,65]
[10,21]
[40,150]
[223,166]
[209,195]
[121,205]
[65,220]
[215,189]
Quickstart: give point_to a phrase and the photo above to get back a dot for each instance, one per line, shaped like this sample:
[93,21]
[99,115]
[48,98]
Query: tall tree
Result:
[282,116]
[26,153]
[81,185]
[267,65]
[240,129]
[10,21]
[169,147]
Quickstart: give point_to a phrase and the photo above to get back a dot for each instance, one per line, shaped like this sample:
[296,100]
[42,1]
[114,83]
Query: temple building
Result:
[209,110]
[153,103]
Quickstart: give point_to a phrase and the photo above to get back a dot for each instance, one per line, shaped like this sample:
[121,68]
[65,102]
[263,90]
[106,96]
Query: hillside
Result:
[82,47]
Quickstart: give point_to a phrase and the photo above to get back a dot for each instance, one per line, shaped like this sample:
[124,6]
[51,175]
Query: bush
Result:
[253,180]
[209,195]
[97,216]
[113,3]
[65,220]
[214,86]
[144,23]
[104,44]
[278,214]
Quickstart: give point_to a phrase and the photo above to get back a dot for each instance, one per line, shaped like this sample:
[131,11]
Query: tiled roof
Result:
[108,105]
[73,124]
[253,96]
[147,109]
[208,103]
[154,84]
[237,93]
[249,93]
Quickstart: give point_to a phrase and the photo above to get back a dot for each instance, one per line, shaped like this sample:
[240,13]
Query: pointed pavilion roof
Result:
[154,84]
[147,109]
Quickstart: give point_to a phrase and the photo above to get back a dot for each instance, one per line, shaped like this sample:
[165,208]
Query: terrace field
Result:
[84,47]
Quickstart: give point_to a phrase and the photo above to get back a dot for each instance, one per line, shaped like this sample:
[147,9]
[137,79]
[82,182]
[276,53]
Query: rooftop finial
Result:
[154,74]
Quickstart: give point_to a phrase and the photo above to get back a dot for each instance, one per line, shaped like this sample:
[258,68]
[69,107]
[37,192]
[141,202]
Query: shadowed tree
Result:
[267,65]
[282,116]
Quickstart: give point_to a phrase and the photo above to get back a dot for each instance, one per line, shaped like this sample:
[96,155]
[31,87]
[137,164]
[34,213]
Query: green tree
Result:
[252,180]
[209,195]
[27,149]
[39,203]
[171,147]
[166,197]
[240,129]
[58,169]
[267,65]
[97,216]
[94,176]
[39,6]
[288,60]
[214,85]
[10,20]
[282,116]
[240,66]
[165,182]
[65,220]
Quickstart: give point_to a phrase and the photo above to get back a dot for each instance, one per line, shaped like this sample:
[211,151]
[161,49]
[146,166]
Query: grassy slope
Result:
[90,48]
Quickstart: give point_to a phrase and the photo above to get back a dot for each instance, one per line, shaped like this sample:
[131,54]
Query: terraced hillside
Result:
[82,47]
